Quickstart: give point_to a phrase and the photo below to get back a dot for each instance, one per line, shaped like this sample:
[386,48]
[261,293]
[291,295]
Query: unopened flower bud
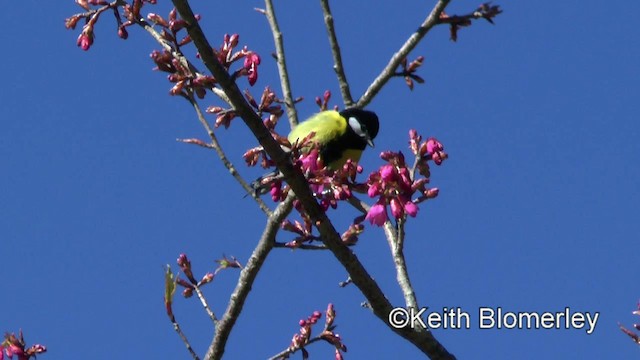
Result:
[326,96]
[207,278]
[85,40]
[396,208]
[187,293]
[157,19]
[410,208]
[122,32]
[432,193]
[84,4]
[71,22]
[233,40]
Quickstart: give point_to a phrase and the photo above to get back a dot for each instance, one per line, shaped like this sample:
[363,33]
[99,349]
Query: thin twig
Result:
[247,277]
[395,237]
[215,145]
[205,304]
[412,171]
[301,246]
[179,56]
[282,64]
[214,140]
[338,66]
[176,327]
[413,40]
[359,204]
[380,305]
[284,354]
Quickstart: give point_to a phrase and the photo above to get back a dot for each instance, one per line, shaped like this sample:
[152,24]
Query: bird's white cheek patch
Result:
[357,128]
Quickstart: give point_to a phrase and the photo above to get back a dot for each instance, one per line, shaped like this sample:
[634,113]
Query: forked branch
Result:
[374,295]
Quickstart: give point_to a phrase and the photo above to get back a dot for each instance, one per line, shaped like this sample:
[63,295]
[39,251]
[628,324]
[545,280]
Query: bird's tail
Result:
[262,185]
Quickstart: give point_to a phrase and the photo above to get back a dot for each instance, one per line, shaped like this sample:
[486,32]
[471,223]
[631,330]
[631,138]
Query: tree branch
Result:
[396,245]
[284,354]
[337,57]
[294,177]
[179,56]
[282,64]
[247,277]
[215,145]
[282,245]
[413,40]
[205,304]
[184,339]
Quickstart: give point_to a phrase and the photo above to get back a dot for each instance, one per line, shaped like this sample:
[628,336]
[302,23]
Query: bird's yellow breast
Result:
[352,154]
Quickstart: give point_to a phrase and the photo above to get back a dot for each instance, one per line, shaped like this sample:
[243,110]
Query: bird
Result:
[340,135]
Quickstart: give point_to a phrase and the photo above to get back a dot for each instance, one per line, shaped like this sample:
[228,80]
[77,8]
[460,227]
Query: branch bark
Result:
[396,245]
[214,140]
[246,279]
[413,40]
[215,145]
[337,57]
[282,64]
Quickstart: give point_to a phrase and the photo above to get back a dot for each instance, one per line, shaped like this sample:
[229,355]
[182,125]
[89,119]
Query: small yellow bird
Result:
[340,135]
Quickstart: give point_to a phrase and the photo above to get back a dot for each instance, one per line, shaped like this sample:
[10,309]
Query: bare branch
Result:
[484,11]
[182,336]
[396,245]
[301,246]
[215,145]
[284,354]
[337,57]
[247,277]
[360,205]
[413,40]
[282,64]
[205,304]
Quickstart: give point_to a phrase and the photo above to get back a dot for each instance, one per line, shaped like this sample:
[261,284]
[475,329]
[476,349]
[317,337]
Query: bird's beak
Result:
[370,142]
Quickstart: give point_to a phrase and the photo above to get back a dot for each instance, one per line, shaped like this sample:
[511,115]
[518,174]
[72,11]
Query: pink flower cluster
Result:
[91,16]
[395,183]
[181,73]
[303,337]
[328,186]
[15,346]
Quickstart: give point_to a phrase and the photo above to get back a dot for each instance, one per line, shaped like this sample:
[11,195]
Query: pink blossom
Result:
[388,173]
[374,190]
[410,208]
[377,214]
[85,40]
[396,208]
[310,161]
[13,349]
[251,62]
[433,145]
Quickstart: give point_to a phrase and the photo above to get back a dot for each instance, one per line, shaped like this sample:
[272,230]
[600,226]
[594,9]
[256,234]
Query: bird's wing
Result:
[328,125]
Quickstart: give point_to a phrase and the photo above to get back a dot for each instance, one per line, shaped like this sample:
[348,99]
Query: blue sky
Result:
[537,209]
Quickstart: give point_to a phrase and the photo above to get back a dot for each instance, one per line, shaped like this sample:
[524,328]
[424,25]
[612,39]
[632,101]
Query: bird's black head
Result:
[363,123]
